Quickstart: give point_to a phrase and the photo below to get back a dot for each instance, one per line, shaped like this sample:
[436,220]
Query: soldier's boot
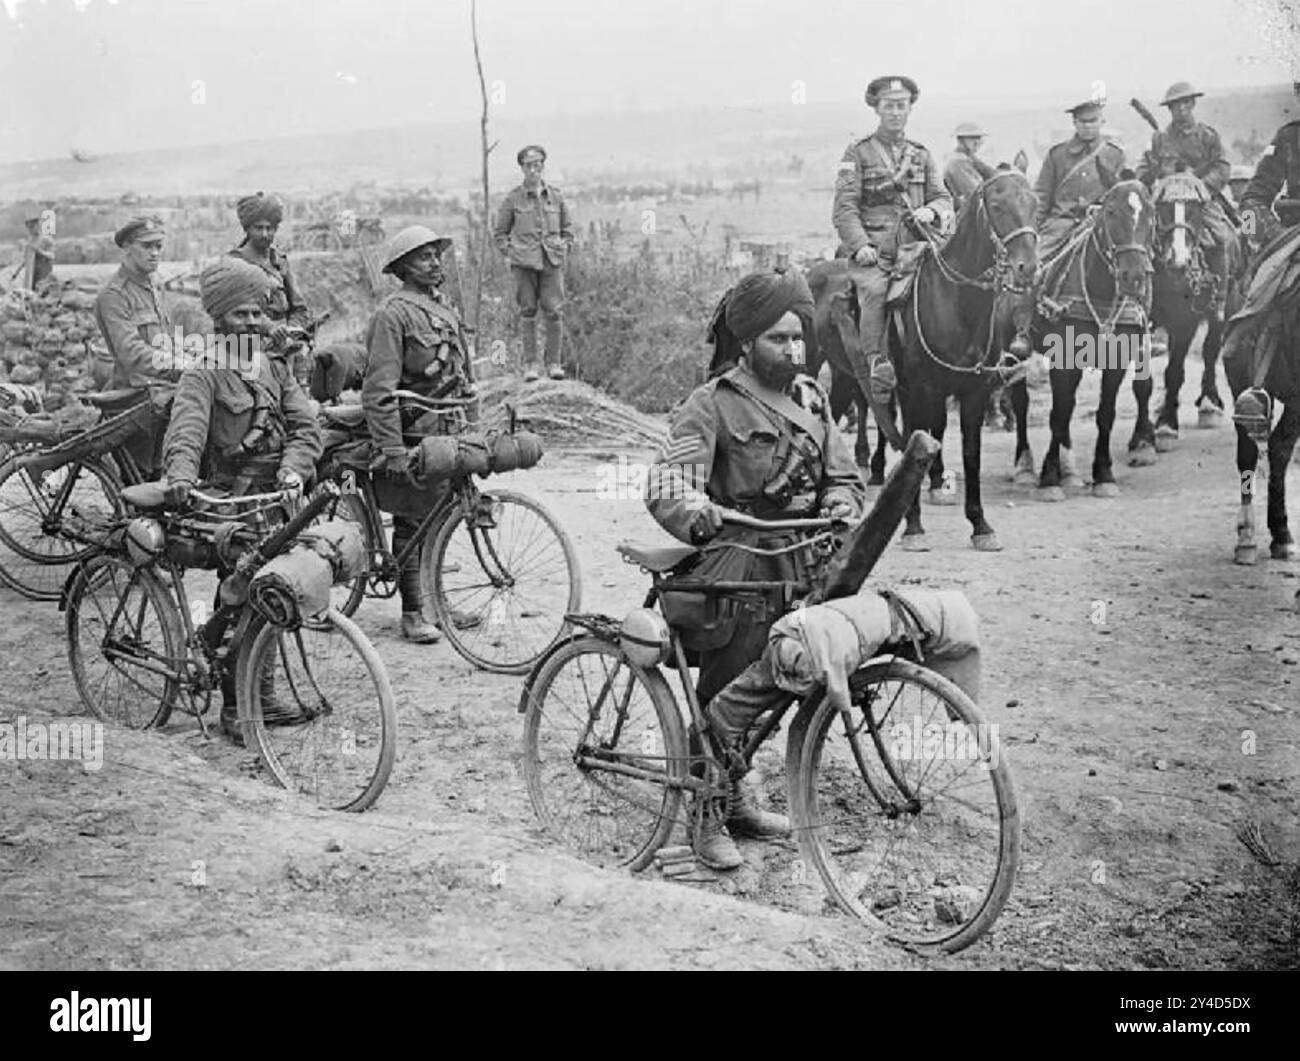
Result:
[746,818]
[554,336]
[713,845]
[529,328]
[415,627]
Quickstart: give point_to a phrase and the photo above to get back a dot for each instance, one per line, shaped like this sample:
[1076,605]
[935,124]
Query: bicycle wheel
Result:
[341,752]
[32,562]
[907,809]
[587,700]
[126,643]
[346,597]
[501,592]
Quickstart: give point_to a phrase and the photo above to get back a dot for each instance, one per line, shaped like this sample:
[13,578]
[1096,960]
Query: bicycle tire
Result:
[92,624]
[876,791]
[504,638]
[33,563]
[568,800]
[311,757]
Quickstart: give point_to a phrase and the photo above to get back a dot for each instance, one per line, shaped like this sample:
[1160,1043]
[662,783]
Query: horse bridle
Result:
[998,278]
[1109,253]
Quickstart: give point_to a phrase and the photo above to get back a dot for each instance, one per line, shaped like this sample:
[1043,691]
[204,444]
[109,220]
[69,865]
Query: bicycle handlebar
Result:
[209,499]
[739,519]
[420,399]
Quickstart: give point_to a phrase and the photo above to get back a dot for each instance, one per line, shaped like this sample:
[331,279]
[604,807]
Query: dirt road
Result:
[1144,685]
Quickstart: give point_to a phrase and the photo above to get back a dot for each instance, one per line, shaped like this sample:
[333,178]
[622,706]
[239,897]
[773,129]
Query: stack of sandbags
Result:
[48,337]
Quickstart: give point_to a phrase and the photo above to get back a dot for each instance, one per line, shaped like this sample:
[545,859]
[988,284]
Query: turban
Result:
[254,208]
[750,308]
[230,283]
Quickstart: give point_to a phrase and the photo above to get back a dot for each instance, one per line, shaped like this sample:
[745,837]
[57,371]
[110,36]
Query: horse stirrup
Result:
[1253,413]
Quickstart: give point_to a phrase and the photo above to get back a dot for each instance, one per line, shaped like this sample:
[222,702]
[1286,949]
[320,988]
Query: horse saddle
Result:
[903,274]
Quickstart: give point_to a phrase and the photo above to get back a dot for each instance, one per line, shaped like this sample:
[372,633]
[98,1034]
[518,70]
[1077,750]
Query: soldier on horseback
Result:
[1075,174]
[883,180]
[1278,172]
[1186,144]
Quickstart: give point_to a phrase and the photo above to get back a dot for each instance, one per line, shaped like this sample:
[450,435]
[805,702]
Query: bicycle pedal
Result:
[677,870]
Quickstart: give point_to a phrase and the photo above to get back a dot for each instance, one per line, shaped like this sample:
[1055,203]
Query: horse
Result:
[1093,310]
[1187,288]
[961,327]
[1261,357]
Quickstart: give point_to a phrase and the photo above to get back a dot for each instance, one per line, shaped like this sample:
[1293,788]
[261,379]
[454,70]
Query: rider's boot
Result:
[746,818]
[713,845]
[415,627]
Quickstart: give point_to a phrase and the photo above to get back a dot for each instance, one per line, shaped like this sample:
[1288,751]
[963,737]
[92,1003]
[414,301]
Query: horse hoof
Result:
[875,479]
[1165,439]
[1142,455]
[1209,417]
[1105,490]
[942,497]
[1051,493]
[1072,482]
[915,543]
[1246,555]
[1023,477]
[986,543]
[1283,551]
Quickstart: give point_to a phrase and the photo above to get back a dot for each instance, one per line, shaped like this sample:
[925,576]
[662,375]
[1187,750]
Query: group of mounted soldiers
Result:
[758,438]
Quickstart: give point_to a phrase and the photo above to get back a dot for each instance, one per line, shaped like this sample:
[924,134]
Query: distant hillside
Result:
[722,143]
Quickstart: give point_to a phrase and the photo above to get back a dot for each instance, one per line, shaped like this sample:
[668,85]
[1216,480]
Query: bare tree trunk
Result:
[485,233]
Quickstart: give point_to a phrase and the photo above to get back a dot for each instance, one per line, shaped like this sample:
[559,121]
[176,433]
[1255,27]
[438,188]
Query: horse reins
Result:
[995,278]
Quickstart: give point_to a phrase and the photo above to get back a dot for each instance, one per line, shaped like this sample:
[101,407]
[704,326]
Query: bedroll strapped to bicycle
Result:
[441,457]
[295,586]
[148,415]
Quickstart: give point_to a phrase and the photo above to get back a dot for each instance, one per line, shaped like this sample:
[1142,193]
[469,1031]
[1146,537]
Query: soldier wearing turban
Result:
[260,216]
[758,438]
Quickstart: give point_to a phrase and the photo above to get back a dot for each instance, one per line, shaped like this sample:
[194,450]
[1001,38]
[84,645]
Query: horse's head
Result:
[1006,204]
[1123,234]
[1180,201]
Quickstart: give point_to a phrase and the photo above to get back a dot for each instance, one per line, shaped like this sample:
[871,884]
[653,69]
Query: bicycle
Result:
[500,571]
[48,491]
[924,854]
[137,653]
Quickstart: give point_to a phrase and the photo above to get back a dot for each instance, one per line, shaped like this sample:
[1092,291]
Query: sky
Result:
[125,75]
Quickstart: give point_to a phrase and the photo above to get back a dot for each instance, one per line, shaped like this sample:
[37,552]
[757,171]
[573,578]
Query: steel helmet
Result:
[1179,90]
[409,239]
[644,637]
[144,540]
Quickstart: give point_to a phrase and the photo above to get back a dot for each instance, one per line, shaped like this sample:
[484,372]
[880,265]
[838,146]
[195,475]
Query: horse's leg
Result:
[1247,459]
[1065,381]
[1023,473]
[912,403]
[877,477]
[943,491]
[1103,475]
[1180,339]
[974,402]
[1209,405]
[1281,444]
[1142,446]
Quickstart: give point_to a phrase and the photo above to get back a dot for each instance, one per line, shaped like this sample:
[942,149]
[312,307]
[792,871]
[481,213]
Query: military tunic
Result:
[415,343]
[213,413]
[727,448]
[1065,189]
[284,304]
[135,327]
[879,180]
[1278,172]
[533,229]
[1196,146]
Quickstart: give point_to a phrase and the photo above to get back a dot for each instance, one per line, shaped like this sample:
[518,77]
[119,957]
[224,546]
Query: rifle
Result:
[1216,193]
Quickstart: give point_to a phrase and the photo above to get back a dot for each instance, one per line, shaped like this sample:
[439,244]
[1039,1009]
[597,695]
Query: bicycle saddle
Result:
[657,559]
[343,415]
[144,496]
[106,399]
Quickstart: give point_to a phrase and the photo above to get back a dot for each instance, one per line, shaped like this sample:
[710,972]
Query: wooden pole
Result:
[851,565]
[485,233]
